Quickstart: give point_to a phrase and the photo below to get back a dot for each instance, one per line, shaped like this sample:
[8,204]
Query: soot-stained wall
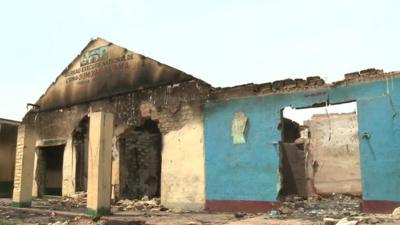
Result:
[134,88]
[140,161]
[172,106]
[104,69]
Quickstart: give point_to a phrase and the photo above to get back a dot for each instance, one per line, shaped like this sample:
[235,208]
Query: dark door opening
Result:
[81,146]
[52,164]
[140,161]
[292,156]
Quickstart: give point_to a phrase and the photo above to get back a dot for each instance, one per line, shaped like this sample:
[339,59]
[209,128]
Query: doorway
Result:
[81,146]
[320,150]
[51,165]
[140,161]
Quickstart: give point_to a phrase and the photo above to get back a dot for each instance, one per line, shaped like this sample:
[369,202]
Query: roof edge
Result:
[10,122]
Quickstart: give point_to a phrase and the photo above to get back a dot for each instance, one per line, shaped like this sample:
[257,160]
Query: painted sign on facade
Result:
[97,61]
[104,69]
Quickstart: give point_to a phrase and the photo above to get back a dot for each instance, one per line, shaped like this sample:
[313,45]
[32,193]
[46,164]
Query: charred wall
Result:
[103,70]
[165,104]
[140,160]
[173,107]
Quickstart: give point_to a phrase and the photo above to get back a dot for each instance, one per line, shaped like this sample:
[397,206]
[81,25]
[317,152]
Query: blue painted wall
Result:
[250,171]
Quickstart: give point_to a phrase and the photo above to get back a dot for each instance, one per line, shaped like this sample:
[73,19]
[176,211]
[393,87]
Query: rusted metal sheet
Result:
[104,69]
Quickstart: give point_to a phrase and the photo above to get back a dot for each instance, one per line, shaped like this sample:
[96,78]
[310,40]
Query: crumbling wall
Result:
[253,165]
[334,147]
[311,83]
[270,88]
[174,107]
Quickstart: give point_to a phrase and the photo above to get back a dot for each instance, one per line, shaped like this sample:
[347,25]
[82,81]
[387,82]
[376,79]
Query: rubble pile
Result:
[396,213]
[59,223]
[337,209]
[335,206]
[144,204]
[76,200]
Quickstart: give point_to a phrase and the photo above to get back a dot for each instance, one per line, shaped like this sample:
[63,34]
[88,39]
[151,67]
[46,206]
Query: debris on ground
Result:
[274,213]
[77,200]
[337,209]
[396,213]
[346,221]
[335,206]
[144,204]
[59,223]
[239,215]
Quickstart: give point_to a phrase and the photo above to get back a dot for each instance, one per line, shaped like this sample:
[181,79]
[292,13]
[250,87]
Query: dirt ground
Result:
[317,211]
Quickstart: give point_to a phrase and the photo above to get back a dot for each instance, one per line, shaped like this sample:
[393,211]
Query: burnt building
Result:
[153,118]
[116,124]
[352,155]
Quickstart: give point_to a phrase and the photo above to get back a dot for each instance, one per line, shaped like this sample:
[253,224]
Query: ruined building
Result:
[117,124]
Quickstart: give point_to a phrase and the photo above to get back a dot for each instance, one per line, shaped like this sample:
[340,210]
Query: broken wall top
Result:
[297,85]
[103,70]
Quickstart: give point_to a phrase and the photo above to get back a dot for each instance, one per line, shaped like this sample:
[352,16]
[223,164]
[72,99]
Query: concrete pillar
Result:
[24,165]
[99,162]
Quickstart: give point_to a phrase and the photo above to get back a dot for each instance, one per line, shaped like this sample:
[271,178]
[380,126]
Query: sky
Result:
[223,42]
[302,115]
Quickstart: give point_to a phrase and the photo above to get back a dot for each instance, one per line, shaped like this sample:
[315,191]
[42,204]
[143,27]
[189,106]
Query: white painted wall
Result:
[183,175]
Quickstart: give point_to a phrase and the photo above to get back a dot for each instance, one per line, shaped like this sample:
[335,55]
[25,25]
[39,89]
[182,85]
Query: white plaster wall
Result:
[334,145]
[182,172]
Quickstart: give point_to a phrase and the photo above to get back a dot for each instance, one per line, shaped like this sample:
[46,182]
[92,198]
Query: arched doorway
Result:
[140,161]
